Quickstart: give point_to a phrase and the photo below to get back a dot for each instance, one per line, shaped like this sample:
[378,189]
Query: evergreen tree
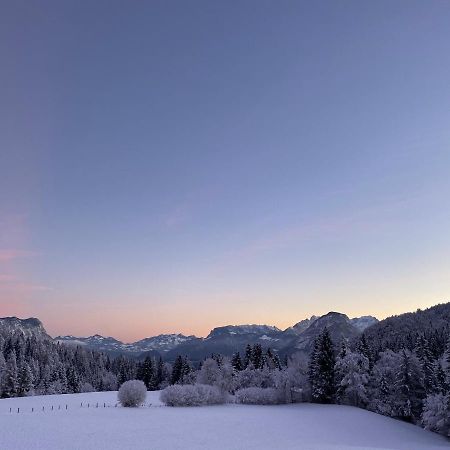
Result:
[185,370]
[344,349]
[146,372]
[177,370]
[158,374]
[248,356]
[409,388]
[352,375]
[25,385]
[257,356]
[2,370]
[441,384]
[236,362]
[73,380]
[12,376]
[321,370]
[447,360]
[426,362]
[364,348]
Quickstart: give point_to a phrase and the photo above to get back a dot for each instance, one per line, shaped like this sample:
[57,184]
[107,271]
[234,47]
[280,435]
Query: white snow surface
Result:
[225,427]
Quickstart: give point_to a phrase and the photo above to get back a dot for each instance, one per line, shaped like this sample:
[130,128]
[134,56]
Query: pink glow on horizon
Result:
[130,327]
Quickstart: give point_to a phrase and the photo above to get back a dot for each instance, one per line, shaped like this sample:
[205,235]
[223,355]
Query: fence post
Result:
[32,409]
[10,409]
[66,406]
[18,409]
[43,408]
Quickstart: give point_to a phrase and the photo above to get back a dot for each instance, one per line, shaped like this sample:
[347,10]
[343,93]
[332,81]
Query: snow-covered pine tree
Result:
[73,380]
[2,369]
[12,376]
[441,385]
[447,361]
[321,373]
[363,347]
[425,358]
[186,370]
[25,385]
[409,391]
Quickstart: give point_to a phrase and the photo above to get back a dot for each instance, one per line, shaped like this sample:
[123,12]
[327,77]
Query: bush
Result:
[436,415]
[132,393]
[191,395]
[257,396]
[87,387]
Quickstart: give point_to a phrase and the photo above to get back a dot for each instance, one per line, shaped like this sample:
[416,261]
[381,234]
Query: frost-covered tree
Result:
[11,387]
[191,395]
[109,381]
[364,348]
[25,384]
[257,396]
[427,364]
[441,385]
[382,383]
[436,413]
[2,371]
[132,393]
[409,391]
[209,373]
[352,375]
[73,380]
[298,378]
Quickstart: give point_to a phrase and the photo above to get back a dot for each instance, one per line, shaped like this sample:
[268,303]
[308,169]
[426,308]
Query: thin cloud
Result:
[365,220]
[12,254]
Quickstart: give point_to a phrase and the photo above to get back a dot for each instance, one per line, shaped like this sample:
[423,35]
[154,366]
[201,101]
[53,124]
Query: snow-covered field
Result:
[227,427]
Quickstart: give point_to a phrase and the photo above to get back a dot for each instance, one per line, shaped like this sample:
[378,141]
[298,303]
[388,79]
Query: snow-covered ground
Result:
[227,427]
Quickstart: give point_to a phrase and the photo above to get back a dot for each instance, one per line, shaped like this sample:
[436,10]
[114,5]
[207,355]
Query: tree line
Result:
[385,374]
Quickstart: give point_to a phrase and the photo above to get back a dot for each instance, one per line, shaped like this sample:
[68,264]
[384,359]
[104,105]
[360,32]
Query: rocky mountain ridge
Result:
[224,340]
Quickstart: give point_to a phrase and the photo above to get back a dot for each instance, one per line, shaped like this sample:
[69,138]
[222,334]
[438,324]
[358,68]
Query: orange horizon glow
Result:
[119,326]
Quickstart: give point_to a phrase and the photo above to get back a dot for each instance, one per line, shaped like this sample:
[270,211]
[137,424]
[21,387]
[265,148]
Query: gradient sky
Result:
[171,166]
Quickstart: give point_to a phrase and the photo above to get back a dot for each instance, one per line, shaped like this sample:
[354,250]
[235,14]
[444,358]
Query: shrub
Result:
[132,393]
[257,396]
[436,415]
[191,395]
[87,387]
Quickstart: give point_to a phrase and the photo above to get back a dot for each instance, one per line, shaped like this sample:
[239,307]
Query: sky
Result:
[172,166]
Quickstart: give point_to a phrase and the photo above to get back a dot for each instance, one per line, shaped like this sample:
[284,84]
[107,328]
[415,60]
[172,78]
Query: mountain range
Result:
[224,340]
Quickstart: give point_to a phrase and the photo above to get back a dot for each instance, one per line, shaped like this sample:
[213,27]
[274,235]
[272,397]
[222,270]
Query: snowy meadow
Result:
[231,426]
